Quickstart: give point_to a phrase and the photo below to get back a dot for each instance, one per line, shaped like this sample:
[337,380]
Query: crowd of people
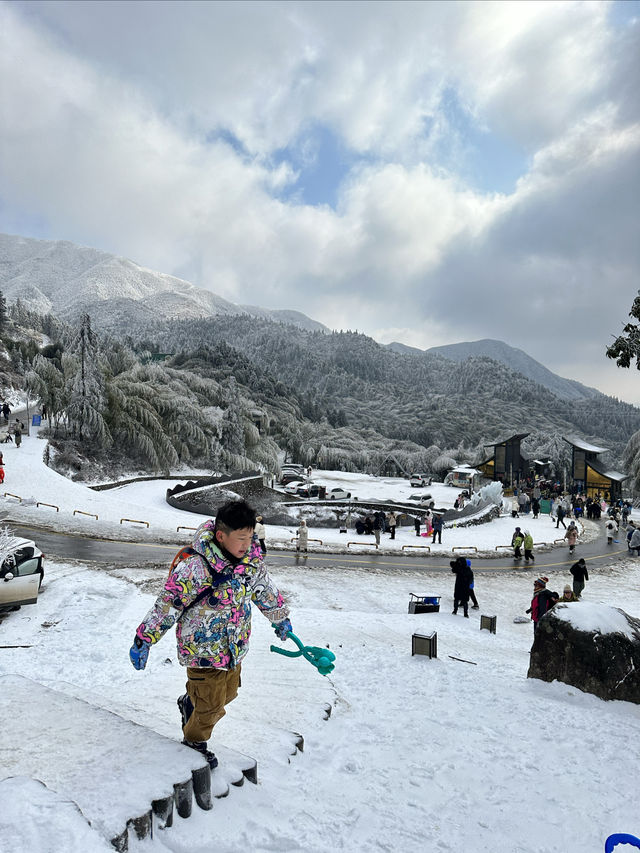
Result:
[377,523]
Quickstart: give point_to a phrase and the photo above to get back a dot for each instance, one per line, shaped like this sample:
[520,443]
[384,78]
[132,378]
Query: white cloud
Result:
[114,120]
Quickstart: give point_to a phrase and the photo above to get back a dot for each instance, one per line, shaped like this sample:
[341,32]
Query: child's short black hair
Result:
[235,515]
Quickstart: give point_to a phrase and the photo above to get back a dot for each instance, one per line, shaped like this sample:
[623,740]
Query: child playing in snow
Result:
[208,596]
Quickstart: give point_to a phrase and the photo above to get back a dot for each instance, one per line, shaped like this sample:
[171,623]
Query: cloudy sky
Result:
[421,171]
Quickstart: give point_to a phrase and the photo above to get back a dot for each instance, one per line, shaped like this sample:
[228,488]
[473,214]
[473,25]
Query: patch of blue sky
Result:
[623,12]
[486,160]
[321,162]
[317,157]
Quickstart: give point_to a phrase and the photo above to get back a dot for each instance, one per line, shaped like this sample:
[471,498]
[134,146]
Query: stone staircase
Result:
[124,777]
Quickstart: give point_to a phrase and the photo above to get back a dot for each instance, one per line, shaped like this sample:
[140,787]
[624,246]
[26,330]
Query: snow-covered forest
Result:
[239,392]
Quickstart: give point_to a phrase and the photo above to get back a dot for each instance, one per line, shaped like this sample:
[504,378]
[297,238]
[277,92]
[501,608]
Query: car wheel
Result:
[332,498]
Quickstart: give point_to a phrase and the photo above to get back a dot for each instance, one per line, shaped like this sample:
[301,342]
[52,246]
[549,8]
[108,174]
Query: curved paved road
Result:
[67,546]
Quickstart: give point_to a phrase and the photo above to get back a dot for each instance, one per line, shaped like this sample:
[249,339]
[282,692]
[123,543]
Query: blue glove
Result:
[139,653]
[282,629]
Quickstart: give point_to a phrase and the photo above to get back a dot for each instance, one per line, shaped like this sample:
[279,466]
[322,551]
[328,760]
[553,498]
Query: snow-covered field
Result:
[31,480]
[419,754]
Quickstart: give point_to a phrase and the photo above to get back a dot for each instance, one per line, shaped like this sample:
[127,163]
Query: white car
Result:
[292,488]
[21,572]
[424,499]
[338,494]
[420,480]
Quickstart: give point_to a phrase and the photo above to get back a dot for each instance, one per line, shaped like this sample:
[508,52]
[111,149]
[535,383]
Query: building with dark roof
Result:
[506,464]
[589,475]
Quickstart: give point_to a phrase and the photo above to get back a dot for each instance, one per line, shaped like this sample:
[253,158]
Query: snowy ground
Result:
[31,480]
[419,754]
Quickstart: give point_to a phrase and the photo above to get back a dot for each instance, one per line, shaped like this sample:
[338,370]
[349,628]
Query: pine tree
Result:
[86,387]
[46,382]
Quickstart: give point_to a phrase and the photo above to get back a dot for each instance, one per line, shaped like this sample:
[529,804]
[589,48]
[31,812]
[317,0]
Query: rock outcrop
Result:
[593,647]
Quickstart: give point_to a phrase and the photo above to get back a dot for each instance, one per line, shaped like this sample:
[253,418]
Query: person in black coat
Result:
[580,575]
[437,525]
[462,587]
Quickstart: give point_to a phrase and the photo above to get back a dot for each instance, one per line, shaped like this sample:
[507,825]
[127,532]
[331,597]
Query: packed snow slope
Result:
[461,752]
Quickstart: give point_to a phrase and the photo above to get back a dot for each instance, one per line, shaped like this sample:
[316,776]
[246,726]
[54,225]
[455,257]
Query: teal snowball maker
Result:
[322,659]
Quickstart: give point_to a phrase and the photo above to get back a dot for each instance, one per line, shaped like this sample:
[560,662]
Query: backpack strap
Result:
[217,578]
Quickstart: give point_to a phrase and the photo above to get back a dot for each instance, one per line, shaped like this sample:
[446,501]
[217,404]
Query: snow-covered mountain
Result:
[69,280]
[515,359]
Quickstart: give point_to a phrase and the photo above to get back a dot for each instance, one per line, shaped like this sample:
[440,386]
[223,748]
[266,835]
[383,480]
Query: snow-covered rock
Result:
[592,646]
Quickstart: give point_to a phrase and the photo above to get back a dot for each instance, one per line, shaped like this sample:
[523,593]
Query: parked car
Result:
[292,488]
[312,490]
[21,573]
[338,494]
[292,469]
[420,480]
[290,477]
[423,499]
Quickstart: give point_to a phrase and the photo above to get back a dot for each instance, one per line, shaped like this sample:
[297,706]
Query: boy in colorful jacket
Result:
[208,596]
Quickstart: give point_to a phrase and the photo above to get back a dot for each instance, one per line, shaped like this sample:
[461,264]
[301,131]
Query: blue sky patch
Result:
[487,161]
[322,163]
[622,12]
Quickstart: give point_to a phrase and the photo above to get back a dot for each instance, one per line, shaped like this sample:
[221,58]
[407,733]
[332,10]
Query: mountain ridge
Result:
[512,357]
[63,278]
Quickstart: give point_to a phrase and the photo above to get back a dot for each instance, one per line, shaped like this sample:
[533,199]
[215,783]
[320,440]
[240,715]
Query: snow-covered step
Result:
[123,776]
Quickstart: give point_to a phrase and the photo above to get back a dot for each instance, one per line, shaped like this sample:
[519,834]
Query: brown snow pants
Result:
[209,690]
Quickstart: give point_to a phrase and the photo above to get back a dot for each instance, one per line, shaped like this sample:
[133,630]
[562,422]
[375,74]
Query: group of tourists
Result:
[633,538]
[463,589]
[522,539]
[544,599]
[379,522]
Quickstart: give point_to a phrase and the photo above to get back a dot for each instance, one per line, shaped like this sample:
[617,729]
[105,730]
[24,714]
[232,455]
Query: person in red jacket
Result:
[542,601]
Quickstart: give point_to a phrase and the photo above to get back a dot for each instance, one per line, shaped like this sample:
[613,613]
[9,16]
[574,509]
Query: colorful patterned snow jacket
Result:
[215,631]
